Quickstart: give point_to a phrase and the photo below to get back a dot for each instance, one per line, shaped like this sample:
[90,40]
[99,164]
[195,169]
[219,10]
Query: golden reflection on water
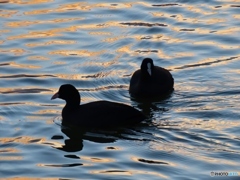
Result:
[228,5]
[28,178]
[104,64]
[105,73]
[222,46]
[22,140]
[56,32]
[76,52]
[198,152]
[9,150]
[206,62]
[33,35]
[125,49]
[41,34]
[97,160]
[23,90]
[68,76]
[100,33]
[161,37]
[183,54]
[214,61]
[30,2]
[163,55]
[16,52]
[4,1]
[7,13]
[59,62]
[192,30]
[178,17]
[24,66]
[98,75]
[181,18]
[11,158]
[101,26]
[234,71]
[38,12]
[27,75]
[26,140]
[195,9]
[87,6]
[82,6]
[215,21]
[18,24]
[4,31]
[236,16]
[53,42]
[209,124]
[42,58]
[113,39]
[47,111]
[230,30]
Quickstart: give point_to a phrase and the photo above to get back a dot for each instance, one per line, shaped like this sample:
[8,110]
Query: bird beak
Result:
[55,96]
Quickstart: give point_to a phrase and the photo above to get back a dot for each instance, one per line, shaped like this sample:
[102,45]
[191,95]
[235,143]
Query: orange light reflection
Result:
[82,6]
[28,178]
[42,58]
[30,2]
[97,160]
[22,140]
[7,13]
[17,52]
[51,43]
[76,52]
[17,24]
[216,44]
[41,34]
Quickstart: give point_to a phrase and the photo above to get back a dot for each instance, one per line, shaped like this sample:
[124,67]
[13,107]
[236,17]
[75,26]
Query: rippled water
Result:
[97,46]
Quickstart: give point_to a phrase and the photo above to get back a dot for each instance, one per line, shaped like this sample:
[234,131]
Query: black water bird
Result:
[150,81]
[99,114]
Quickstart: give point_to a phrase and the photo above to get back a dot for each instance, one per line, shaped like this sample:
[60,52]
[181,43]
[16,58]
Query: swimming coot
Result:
[102,114]
[150,81]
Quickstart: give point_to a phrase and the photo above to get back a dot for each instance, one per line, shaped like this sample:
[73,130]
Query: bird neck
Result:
[145,76]
[72,103]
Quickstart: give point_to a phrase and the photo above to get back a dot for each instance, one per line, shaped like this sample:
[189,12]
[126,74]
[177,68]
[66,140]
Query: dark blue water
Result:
[96,46]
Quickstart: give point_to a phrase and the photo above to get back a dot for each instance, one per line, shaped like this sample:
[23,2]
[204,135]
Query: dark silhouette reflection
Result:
[149,105]
[152,99]
[77,135]
[72,145]
[94,135]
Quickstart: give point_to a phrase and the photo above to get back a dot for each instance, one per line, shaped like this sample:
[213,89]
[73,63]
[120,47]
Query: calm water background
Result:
[96,46]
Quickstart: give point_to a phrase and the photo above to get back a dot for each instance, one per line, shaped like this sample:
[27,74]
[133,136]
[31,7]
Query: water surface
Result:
[96,46]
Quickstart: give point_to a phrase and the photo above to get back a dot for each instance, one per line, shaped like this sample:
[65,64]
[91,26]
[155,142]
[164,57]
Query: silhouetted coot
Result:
[101,114]
[150,81]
